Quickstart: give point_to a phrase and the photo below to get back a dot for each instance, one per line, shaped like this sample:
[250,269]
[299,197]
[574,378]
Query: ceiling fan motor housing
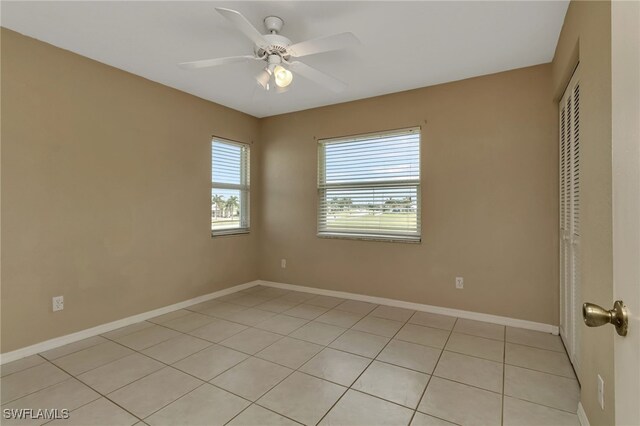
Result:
[277,45]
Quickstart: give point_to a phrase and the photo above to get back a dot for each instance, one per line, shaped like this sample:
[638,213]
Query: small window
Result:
[229,187]
[369,186]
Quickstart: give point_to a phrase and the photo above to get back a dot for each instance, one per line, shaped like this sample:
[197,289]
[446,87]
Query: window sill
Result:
[365,237]
[230,232]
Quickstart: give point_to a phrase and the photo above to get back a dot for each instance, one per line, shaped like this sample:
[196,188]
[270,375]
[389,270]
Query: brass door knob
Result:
[595,316]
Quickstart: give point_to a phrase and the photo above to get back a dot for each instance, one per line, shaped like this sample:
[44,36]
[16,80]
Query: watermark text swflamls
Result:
[35,413]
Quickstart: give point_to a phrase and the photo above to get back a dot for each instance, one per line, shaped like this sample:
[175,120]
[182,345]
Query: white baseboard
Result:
[582,416]
[512,322]
[100,329]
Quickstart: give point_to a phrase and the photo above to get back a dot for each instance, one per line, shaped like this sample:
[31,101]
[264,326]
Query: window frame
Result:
[322,188]
[244,188]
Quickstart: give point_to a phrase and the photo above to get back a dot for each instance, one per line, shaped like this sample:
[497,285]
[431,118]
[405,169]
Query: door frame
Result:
[625,92]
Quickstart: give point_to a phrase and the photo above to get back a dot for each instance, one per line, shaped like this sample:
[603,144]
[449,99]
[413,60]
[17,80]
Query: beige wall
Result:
[489,198]
[586,37]
[106,194]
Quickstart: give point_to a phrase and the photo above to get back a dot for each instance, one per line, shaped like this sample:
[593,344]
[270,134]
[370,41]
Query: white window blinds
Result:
[229,187]
[369,186]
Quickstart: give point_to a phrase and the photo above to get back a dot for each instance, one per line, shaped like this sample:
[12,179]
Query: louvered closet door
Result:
[570,295]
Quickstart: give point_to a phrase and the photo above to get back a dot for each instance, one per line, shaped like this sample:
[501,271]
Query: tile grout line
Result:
[324,346]
[98,392]
[327,346]
[540,371]
[295,370]
[504,360]
[284,378]
[83,405]
[504,367]
[344,351]
[476,335]
[369,314]
[251,402]
[133,350]
[142,377]
[175,368]
[390,363]
[536,347]
[362,318]
[204,382]
[71,376]
[245,325]
[27,368]
[302,372]
[542,405]
[56,384]
[434,370]
[264,408]
[350,387]
[171,365]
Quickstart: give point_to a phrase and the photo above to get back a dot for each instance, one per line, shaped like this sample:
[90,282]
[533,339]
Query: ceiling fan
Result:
[279,52]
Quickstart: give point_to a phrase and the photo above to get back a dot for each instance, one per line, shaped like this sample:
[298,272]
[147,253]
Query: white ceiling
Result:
[405,45]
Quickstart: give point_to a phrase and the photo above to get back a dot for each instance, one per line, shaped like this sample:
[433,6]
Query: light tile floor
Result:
[266,356]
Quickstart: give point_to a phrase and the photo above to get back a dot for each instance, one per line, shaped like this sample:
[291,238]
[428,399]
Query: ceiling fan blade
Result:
[215,62]
[319,77]
[263,79]
[243,24]
[323,44]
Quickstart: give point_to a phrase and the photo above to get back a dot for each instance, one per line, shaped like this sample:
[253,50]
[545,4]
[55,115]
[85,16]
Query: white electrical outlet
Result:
[58,303]
[283,263]
[601,392]
[459,282]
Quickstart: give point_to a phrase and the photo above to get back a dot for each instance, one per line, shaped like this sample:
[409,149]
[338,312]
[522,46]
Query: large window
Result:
[229,187]
[369,186]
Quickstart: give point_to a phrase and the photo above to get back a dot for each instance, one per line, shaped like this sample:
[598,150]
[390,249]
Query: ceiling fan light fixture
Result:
[282,76]
[264,77]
